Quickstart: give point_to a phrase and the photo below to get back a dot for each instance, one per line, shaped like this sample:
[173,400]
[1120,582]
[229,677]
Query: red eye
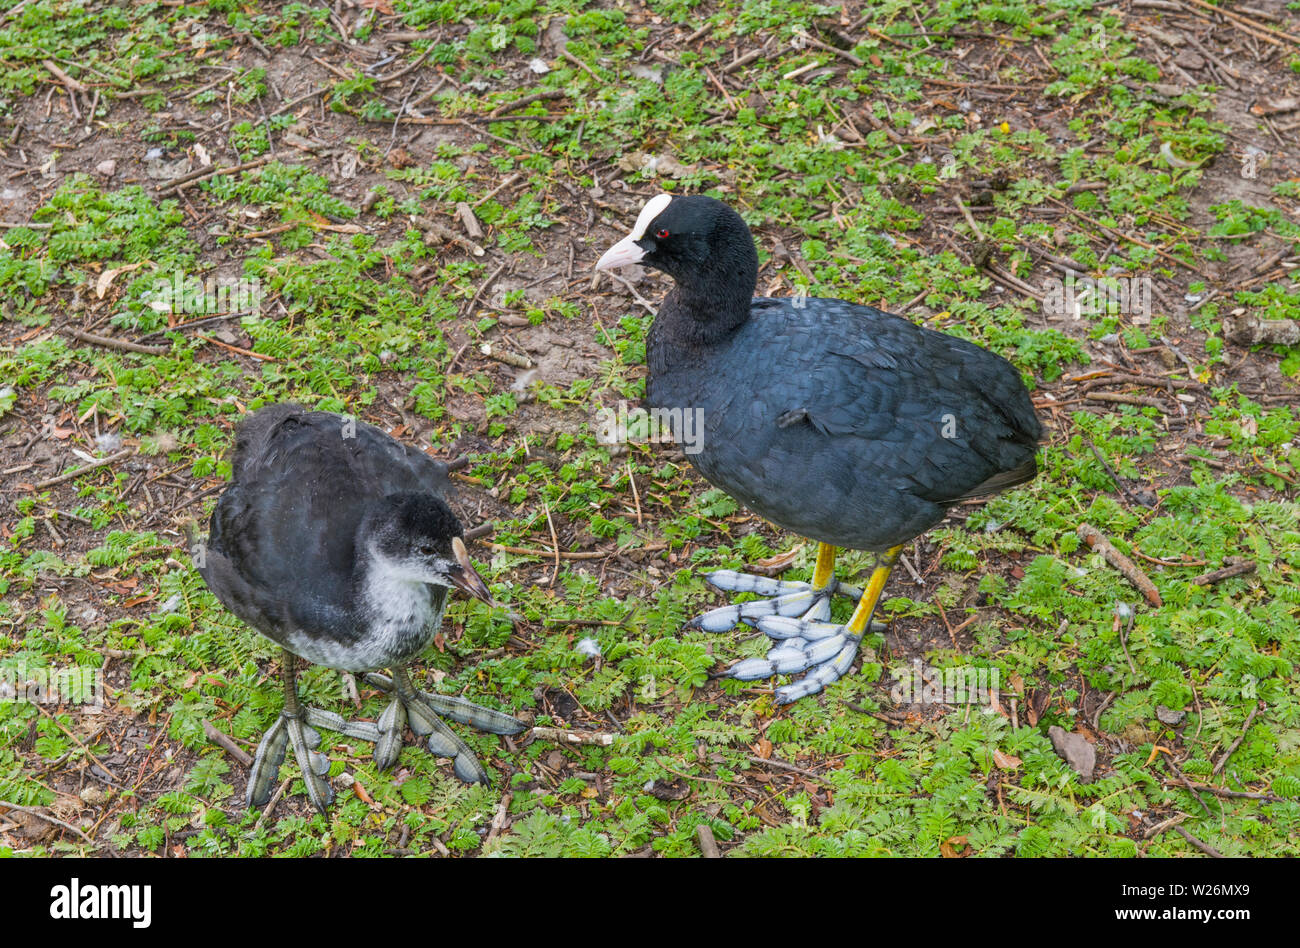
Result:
[662,235]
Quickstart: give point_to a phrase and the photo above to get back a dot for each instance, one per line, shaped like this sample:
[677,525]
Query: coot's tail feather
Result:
[1003,480]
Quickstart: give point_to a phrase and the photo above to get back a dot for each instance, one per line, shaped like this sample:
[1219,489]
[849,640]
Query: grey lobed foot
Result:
[796,618]
[421,711]
[314,765]
[785,598]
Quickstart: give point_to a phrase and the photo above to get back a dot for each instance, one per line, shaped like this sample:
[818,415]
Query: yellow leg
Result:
[871,595]
[825,570]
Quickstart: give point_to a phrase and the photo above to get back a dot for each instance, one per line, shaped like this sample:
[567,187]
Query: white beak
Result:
[621,254]
[626,251]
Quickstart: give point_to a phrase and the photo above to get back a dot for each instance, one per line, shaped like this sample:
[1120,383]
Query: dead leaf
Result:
[1005,761]
[1156,750]
[996,705]
[763,748]
[1075,750]
[955,847]
[1274,106]
[776,564]
[669,790]
[108,276]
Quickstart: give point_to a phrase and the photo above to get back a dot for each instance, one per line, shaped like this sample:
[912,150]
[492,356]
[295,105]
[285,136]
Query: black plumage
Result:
[840,422]
[843,423]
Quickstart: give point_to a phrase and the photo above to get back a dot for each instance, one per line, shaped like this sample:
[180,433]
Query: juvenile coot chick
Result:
[842,423]
[334,541]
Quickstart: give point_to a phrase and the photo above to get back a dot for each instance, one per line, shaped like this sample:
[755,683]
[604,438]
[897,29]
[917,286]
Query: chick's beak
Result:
[463,575]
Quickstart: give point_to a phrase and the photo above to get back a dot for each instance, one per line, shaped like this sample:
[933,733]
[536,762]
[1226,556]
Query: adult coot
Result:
[842,423]
[334,541]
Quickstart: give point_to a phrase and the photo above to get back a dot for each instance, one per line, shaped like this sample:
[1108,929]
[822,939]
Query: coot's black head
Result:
[418,538]
[700,242]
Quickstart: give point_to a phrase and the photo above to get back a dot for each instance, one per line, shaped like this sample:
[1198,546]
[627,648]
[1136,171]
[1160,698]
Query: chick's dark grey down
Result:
[335,541]
[282,552]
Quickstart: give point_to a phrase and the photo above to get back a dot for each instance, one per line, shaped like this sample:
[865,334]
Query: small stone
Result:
[1169,716]
[106,168]
[1075,750]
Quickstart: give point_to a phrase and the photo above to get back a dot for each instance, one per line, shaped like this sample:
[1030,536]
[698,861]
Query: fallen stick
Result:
[518,104]
[1094,538]
[69,475]
[1246,25]
[122,345]
[1245,729]
[708,845]
[579,555]
[1203,847]
[226,744]
[1239,568]
[72,84]
[261,356]
[210,171]
[499,820]
[195,323]
[1117,398]
[32,811]
[506,356]
[1242,794]
[560,736]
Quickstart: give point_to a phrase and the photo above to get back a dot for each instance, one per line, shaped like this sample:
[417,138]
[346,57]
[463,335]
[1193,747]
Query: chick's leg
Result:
[292,727]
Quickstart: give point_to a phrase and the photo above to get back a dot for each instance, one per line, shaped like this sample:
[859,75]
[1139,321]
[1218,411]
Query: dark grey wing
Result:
[391,466]
[870,426]
[381,464]
[957,416]
[268,560]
